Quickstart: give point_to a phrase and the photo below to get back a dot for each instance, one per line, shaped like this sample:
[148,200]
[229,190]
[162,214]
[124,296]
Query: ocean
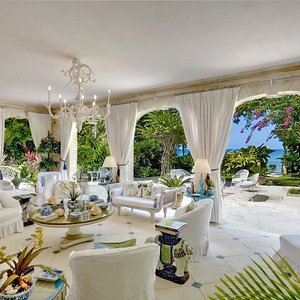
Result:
[273,160]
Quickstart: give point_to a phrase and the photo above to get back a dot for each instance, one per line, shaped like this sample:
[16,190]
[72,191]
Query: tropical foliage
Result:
[254,159]
[48,147]
[17,278]
[17,140]
[264,280]
[164,127]
[284,114]
[173,180]
[92,146]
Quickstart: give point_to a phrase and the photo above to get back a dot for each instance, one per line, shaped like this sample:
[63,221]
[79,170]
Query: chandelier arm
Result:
[51,114]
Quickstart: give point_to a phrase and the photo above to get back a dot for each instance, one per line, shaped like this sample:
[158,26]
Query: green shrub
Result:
[283,181]
[294,191]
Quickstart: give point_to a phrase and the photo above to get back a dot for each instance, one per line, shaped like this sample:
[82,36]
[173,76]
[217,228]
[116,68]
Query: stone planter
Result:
[16,182]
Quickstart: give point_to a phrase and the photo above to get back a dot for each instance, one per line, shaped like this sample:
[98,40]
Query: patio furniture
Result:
[41,179]
[180,173]
[9,173]
[240,176]
[10,215]
[74,235]
[250,183]
[290,249]
[153,204]
[196,234]
[110,274]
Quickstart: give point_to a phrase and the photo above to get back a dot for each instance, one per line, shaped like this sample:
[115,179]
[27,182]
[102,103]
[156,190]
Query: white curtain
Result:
[207,119]
[120,127]
[66,130]
[2,130]
[39,124]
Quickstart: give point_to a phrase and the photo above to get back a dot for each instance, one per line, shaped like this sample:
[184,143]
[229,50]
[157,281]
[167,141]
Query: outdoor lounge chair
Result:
[240,176]
[250,183]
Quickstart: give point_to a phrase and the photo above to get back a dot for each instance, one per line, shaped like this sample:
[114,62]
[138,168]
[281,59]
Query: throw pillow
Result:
[130,189]
[157,189]
[190,207]
[143,185]
[147,190]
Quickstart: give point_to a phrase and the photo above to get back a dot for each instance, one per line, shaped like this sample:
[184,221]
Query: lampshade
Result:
[109,162]
[201,166]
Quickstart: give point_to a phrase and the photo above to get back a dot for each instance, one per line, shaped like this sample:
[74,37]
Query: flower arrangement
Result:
[18,278]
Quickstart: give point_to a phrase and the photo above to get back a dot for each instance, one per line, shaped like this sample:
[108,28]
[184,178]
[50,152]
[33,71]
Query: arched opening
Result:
[160,144]
[263,121]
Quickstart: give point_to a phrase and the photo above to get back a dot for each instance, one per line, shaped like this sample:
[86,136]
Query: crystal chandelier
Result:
[79,74]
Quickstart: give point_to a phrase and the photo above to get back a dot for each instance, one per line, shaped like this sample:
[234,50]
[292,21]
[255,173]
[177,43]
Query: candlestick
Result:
[49,91]
[108,97]
[60,100]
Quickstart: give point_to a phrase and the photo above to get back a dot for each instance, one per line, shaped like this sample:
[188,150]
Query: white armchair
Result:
[250,183]
[196,235]
[110,274]
[10,215]
[239,176]
[41,180]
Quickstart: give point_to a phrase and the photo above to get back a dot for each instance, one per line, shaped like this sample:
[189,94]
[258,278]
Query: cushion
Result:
[144,188]
[49,188]
[180,211]
[157,189]
[190,207]
[130,188]
[130,201]
[48,178]
[123,244]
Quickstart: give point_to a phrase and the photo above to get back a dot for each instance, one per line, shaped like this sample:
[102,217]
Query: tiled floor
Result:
[230,249]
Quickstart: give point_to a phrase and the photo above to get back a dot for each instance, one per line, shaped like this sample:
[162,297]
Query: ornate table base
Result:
[169,273]
[74,236]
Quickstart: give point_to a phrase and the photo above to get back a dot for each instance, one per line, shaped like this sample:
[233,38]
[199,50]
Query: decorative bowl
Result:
[19,296]
[46,211]
[76,215]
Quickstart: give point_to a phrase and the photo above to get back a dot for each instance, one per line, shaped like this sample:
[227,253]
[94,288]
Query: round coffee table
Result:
[74,234]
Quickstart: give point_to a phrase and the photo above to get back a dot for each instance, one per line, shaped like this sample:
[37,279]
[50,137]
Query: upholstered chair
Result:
[111,274]
[196,235]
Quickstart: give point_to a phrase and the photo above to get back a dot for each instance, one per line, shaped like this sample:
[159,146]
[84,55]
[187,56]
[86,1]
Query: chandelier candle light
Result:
[79,75]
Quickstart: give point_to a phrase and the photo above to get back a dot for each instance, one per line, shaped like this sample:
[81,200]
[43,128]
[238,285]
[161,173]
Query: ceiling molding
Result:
[28,107]
[238,79]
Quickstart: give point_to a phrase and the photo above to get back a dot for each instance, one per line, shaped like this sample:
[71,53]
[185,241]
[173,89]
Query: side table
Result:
[172,249]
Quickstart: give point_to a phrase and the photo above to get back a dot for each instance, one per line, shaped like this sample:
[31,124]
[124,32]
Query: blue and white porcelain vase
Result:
[19,296]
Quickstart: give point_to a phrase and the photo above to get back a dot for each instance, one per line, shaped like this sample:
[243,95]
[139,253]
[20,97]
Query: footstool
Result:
[290,250]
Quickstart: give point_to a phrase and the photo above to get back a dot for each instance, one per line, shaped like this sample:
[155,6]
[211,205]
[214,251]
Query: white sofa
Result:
[10,215]
[163,201]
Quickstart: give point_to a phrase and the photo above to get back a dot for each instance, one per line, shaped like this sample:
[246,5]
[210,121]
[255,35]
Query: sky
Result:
[238,139]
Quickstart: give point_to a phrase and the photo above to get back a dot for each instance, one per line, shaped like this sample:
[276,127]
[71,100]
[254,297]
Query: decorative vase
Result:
[210,192]
[19,296]
[16,182]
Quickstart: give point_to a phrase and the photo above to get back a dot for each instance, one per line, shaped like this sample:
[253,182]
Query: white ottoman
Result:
[290,250]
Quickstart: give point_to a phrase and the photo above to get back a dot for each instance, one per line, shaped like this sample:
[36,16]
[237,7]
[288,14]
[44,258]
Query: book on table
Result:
[171,226]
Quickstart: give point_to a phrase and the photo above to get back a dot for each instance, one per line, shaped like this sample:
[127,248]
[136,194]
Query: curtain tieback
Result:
[65,165]
[215,169]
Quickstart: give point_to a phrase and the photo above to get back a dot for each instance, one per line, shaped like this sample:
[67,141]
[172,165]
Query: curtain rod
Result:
[206,90]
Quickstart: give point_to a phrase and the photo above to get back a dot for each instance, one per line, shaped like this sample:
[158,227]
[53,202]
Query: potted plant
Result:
[48,146]
[18,282]
[172,182]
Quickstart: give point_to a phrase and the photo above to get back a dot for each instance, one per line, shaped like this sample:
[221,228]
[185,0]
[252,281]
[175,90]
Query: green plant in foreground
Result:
[20,265]
[173,181]
[265,280]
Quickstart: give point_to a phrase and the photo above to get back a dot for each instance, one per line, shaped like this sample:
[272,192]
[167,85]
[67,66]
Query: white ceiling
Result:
[138,45]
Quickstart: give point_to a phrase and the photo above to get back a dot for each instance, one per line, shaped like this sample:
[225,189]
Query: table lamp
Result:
[109,162]
[201,166]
